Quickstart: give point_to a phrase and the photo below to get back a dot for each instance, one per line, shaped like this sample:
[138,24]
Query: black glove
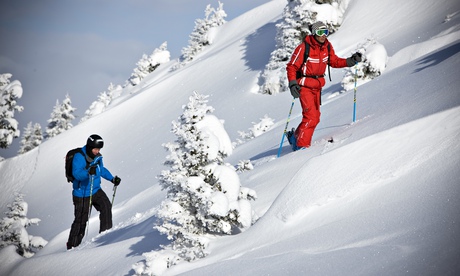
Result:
[116,180]
[355,58]
[92,170]
[295,89]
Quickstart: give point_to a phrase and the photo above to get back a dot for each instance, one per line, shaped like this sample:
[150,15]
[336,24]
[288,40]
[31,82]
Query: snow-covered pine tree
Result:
[256,130]
[298,15]
[61,118]
[37,135]
[204,195]
[32,137]
[373,64]
[13,229]
[25,142]
[9,93]
[148,64]
[98,106]
[103,101]
[202,33]
[244,165]
[114,91]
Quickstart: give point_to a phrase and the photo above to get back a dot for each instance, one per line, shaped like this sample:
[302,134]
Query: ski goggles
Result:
[322,32]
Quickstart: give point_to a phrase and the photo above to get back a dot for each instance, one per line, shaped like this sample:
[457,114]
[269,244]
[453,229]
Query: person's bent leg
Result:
[102,204]
[310,117]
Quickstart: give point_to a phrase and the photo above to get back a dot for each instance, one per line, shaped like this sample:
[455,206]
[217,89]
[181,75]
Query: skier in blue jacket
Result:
[88,170]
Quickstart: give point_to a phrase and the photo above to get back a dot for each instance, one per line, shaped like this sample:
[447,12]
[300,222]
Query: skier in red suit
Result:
[307,86]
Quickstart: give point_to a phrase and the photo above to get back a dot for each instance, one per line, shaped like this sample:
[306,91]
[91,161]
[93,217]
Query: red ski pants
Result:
[310,100]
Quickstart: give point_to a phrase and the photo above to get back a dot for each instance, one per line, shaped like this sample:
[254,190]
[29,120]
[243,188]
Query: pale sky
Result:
[59,47]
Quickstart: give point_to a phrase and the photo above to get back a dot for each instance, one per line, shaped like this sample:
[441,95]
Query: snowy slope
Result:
[382,199]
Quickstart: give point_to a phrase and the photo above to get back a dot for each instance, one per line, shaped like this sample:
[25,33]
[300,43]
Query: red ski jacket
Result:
[316,65]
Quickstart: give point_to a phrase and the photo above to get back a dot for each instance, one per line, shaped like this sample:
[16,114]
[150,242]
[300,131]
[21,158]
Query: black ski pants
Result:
[101,202]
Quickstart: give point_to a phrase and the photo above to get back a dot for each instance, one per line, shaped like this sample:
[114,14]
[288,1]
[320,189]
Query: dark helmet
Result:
[94,141]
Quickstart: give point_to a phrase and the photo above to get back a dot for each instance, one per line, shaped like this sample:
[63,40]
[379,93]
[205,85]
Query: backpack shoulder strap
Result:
[306,52]
[84,157]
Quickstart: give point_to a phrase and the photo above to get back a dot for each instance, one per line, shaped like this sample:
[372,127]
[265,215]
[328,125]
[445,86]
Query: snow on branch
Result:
[13,229]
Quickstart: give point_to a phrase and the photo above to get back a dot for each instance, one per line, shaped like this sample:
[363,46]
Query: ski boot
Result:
[292,140]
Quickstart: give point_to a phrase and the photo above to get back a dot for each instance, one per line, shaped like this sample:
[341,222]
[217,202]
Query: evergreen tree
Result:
[9,93]
[32,137]
[148,64]
[201,35]
[61,118]
[370,67]
[25,142]
[98,106]
[204,195]
[103,101]
[13,229]
[256,130]
[244,165]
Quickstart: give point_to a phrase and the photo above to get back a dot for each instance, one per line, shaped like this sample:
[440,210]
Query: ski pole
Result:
[90,199]
[354,97]
[114,192]
[285,128]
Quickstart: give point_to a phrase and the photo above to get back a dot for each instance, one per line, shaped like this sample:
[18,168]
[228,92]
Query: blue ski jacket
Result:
[80,170]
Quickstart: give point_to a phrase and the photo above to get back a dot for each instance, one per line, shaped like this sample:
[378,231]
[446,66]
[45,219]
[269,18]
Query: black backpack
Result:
[305,58]
[68,163]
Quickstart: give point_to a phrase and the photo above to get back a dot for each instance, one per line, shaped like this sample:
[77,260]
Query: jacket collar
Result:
[310,39]
[90,159]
